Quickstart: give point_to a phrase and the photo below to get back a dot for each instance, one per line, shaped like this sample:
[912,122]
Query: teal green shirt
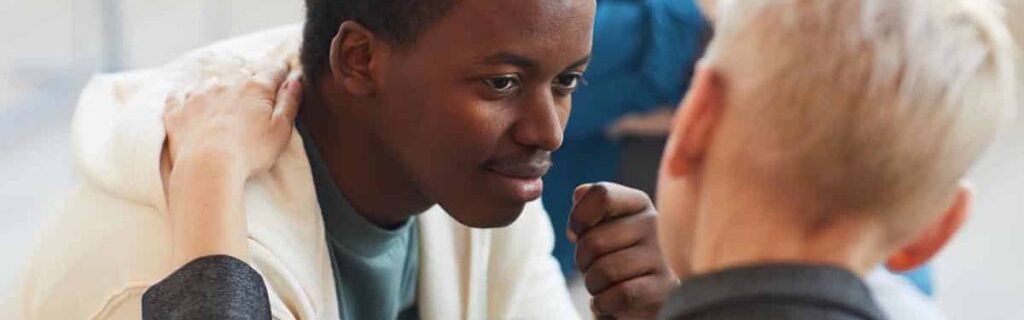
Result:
[375,269]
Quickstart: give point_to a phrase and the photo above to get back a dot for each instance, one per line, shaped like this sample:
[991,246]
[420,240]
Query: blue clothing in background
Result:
[922,279]
[643,58]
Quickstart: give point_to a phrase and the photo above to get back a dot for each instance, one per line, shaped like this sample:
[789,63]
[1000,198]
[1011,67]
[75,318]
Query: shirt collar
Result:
[817,285]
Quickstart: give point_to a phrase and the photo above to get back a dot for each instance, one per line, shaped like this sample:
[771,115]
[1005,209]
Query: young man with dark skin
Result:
[422,122]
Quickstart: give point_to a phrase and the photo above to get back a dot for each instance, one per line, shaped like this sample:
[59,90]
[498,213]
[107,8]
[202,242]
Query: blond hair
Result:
[864,103]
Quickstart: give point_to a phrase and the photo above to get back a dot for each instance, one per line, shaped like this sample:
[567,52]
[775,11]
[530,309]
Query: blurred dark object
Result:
[638,161]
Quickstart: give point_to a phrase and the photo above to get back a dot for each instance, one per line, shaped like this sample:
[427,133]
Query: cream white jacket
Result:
[113,240]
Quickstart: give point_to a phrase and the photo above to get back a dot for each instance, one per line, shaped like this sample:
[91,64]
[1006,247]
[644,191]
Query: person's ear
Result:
[928,244]
[695,122]
[352,57]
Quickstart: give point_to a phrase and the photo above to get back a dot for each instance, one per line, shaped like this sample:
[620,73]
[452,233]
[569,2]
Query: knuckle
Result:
[592,244]
[593,282]
[599,244]
[170,100]
[608,272]
[217,87]
[252,84]
[168,120]
[649,222]
[257,85]
[583,244]
[630,293]
[582,259]
[601,305]
[267,103]
[195,100]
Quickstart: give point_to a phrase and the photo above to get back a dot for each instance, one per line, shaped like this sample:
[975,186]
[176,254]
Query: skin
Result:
[617,251]
[712,220]
[403,127]
[218,137]
[470,129]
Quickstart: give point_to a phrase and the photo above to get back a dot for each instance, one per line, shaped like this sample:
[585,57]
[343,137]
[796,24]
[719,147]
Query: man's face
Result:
[473,109]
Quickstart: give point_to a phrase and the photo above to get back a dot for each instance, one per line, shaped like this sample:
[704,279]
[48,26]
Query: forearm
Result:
[205,200]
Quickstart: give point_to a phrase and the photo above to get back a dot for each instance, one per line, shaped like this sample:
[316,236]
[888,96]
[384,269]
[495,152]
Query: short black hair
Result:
[397,21]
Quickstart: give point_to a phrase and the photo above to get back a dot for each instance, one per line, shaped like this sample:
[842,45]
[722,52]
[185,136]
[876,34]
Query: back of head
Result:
[864,105]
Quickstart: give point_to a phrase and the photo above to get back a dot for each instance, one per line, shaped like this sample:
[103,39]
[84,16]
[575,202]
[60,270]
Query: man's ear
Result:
[352,56]
[928,244]
[694,123]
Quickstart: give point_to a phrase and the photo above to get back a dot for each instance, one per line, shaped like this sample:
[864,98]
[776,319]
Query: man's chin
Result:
[486,217]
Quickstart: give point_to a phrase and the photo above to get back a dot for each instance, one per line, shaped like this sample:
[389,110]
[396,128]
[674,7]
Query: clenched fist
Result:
[617,251]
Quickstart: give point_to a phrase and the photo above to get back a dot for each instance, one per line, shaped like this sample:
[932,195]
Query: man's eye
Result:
[504,84]
[569,82]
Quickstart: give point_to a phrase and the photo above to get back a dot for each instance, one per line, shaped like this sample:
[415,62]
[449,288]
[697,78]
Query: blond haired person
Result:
[821,138]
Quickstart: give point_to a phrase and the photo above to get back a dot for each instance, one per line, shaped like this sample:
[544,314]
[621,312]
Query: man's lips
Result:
[528,169]
[518,177]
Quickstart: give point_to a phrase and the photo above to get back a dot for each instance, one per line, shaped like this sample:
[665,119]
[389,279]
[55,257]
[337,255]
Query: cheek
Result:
[467,129]
[440,123]
[456,134]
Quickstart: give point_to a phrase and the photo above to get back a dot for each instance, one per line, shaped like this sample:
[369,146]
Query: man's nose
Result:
[541,124]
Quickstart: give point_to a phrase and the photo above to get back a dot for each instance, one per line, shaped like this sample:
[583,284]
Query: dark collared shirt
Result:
[791,292]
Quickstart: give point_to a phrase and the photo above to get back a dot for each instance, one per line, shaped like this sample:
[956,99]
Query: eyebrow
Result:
[579,63]
[523,62]
[503,58]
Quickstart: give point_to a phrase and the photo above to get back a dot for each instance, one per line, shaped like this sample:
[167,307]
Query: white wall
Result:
[981,274]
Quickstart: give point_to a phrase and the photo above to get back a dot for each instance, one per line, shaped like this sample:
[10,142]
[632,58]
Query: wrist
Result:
[205,202]
[210,164]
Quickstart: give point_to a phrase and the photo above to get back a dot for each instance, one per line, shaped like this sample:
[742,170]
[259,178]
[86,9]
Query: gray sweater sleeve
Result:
[213,287]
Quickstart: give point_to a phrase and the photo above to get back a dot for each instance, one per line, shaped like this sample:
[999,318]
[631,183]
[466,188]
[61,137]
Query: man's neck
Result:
[372,181]
[740,230]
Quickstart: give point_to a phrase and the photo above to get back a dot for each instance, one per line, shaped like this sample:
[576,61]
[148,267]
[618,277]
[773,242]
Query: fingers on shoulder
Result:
[289,98]
[268,77]
[175,103]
